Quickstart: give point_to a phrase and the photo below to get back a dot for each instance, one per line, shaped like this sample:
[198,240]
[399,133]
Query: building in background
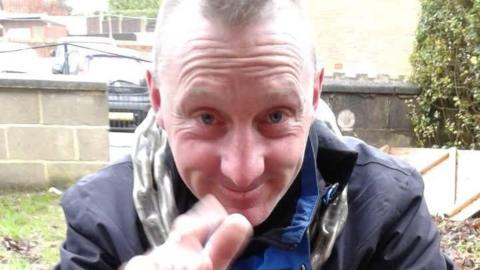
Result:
[28,21]
[368,37]
[31,28]
[117,24]
[353,37]
[50,7]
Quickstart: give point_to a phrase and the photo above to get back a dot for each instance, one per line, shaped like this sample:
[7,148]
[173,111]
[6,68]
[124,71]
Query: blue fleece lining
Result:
[274,258]
[295,235]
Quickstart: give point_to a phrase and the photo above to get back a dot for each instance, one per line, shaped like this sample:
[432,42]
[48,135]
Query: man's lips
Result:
[240,199]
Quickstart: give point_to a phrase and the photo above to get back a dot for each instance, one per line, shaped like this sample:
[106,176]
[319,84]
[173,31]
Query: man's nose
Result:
[242,160]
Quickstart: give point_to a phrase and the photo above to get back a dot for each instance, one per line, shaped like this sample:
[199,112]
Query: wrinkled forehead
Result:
[187,26]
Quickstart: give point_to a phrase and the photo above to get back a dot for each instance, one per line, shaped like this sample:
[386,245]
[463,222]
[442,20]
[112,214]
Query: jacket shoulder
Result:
[381,188]
[388,224]
[101,216]
[378,173]
[101,191]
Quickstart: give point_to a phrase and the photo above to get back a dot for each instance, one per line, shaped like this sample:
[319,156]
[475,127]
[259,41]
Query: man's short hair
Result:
[225,12]
[234,12]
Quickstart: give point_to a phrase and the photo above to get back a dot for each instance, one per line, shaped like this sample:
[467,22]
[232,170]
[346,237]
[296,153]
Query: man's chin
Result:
[254,215]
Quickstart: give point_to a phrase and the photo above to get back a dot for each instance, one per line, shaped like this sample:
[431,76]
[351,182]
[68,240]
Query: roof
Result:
[27,17]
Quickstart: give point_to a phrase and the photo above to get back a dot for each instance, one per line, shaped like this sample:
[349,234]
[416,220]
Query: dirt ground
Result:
[32,228]
[461,241]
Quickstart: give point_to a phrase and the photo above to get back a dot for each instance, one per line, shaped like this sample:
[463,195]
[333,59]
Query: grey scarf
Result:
[155,207]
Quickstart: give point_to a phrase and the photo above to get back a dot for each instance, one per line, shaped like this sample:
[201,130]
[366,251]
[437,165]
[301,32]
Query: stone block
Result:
[381,137]
[65,174]
[371,111]
[40,143]
[22,176]
[56,83]
[3,144]
[75,108]
[93,144]
[398,117]
[19,107]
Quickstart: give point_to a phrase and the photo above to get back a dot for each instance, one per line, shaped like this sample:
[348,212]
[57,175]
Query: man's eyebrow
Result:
[198,93]
[282,94]
[277,95]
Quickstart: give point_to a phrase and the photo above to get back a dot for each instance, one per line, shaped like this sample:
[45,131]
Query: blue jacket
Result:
[388,224]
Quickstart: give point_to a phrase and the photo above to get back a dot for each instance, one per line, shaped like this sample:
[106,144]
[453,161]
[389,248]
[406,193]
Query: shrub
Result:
[446,67]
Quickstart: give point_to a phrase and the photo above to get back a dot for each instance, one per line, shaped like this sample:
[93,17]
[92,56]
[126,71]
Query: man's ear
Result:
[153,91]
[317,86]
[155,98]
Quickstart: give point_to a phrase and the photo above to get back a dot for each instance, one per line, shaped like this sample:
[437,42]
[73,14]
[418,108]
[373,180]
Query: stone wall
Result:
[51,131]
[374,111]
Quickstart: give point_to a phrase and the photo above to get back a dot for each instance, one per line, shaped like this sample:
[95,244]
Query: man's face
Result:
[237,105]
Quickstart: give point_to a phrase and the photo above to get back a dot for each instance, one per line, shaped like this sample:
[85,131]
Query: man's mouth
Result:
[240,199]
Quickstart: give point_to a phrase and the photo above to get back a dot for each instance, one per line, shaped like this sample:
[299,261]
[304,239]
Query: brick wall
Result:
[365,36]
[51,131]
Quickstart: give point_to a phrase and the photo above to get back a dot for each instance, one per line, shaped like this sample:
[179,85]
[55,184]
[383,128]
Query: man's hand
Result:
[205,237]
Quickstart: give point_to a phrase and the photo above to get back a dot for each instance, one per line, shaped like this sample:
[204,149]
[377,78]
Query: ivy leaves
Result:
[446,67]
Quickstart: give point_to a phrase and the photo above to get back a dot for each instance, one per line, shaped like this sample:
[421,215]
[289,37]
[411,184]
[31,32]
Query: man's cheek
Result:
[196,159]
[287,158]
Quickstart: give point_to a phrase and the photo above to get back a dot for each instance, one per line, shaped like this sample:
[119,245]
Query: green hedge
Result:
[446,67]
[148,8]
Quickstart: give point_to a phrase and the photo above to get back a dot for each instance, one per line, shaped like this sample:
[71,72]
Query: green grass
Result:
[35,223]
[36,220]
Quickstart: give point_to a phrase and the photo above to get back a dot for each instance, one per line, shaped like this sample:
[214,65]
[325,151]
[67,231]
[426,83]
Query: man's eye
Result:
[275,117]
[207,119]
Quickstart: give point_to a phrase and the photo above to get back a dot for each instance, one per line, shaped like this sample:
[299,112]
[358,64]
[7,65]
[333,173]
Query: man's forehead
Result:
[188,26]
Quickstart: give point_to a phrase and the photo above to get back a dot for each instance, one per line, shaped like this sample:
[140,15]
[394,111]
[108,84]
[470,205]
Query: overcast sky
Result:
[87,6]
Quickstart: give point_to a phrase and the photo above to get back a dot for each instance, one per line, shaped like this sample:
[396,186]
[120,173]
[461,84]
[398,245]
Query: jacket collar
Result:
[335,160]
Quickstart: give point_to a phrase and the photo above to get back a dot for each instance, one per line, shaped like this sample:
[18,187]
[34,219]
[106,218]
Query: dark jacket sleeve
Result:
[412,241]
[103,230]
[86,244]
[388,224]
